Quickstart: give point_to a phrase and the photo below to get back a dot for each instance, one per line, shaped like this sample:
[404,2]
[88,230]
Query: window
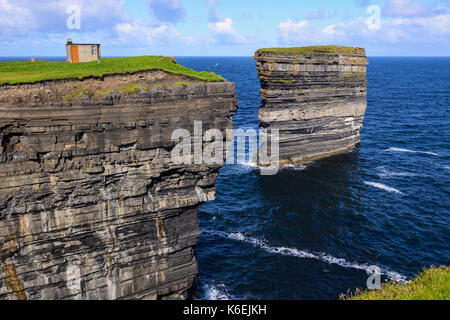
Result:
[94,49]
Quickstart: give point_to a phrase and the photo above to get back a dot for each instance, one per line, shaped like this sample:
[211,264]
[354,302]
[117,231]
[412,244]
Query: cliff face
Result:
[91,204]
[315,97]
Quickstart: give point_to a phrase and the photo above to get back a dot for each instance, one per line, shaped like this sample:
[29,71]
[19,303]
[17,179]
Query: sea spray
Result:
[392,149]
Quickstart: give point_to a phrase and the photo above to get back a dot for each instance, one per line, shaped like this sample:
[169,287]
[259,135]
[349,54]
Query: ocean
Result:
[312,231]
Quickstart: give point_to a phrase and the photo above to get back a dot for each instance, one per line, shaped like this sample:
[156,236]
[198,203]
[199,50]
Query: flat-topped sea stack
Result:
[315,97]
[92,205]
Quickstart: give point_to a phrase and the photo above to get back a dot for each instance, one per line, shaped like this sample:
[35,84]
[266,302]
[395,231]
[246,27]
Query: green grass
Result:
[319,50]
[19,72]
[431,284]
[183,83]
[132,88]
[105,92]
[77,94]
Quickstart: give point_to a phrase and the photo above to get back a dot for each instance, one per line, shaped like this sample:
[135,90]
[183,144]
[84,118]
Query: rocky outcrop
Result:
[91,204]
[315,97]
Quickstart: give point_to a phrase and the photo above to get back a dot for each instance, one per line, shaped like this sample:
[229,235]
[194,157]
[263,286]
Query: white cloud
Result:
[12,17]
[300,33]
[28,16]
[225,26]
[135,34]
[28,22]
[224,32]
[398,30]
[167,10]
[432,29]
[405,8]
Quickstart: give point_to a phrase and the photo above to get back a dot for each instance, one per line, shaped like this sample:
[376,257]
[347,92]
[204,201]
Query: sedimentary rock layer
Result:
[315,97]
[91,204]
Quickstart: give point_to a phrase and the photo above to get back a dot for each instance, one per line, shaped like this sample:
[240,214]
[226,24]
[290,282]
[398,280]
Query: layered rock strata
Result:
[315,97]
[91,204]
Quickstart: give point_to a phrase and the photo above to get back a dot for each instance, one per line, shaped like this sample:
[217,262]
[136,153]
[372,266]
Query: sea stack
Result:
[92,205]
[315,97]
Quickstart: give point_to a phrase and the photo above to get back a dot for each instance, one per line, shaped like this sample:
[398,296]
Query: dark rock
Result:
[315,97]
[103,212]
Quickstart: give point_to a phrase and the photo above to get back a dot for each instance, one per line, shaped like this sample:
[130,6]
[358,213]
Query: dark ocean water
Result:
[312,231]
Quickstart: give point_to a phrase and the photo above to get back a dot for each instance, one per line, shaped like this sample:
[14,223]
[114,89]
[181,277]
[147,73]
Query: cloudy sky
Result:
[224,27]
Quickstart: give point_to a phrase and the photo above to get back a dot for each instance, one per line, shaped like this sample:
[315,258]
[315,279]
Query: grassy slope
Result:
[324,50]
[431,284]
[28,72]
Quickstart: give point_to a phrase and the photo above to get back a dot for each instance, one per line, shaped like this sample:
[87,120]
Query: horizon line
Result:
[231,56]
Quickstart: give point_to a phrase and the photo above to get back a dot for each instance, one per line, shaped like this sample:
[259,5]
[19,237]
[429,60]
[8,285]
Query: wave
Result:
[382,186]
[411,151]
[250,166]
[213,291]
[240,168]
[293,252]
[218,291]
[253,166]
[387,174]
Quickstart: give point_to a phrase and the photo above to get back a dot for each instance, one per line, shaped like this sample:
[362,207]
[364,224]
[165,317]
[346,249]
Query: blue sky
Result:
[224,27]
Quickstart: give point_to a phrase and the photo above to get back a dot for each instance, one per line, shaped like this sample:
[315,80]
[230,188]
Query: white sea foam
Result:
[215,291]
[410,151]
[298,167]
[387,174]
[293,252]
[251,165]
[311,255]
[382,186]
[243,167]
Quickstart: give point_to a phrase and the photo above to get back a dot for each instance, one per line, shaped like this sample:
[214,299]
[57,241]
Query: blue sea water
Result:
[313,231]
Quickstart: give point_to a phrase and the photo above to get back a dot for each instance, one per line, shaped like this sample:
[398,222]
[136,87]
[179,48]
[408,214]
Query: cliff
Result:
[91,204]
[315,97]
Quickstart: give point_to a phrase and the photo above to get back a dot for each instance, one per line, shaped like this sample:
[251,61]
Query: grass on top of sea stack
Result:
[318,50]
[21,72]
[431,284]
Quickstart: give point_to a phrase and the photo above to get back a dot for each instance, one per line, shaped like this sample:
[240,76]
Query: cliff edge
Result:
[91,204]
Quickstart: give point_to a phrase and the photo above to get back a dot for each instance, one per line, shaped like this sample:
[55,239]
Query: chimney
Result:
[69,41]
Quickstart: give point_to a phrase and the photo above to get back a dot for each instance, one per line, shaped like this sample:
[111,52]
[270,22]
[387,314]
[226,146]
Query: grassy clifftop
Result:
[431,284]
[319,50]
[28,72]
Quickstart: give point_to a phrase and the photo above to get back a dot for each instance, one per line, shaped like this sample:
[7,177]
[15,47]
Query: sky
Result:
[224,27]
